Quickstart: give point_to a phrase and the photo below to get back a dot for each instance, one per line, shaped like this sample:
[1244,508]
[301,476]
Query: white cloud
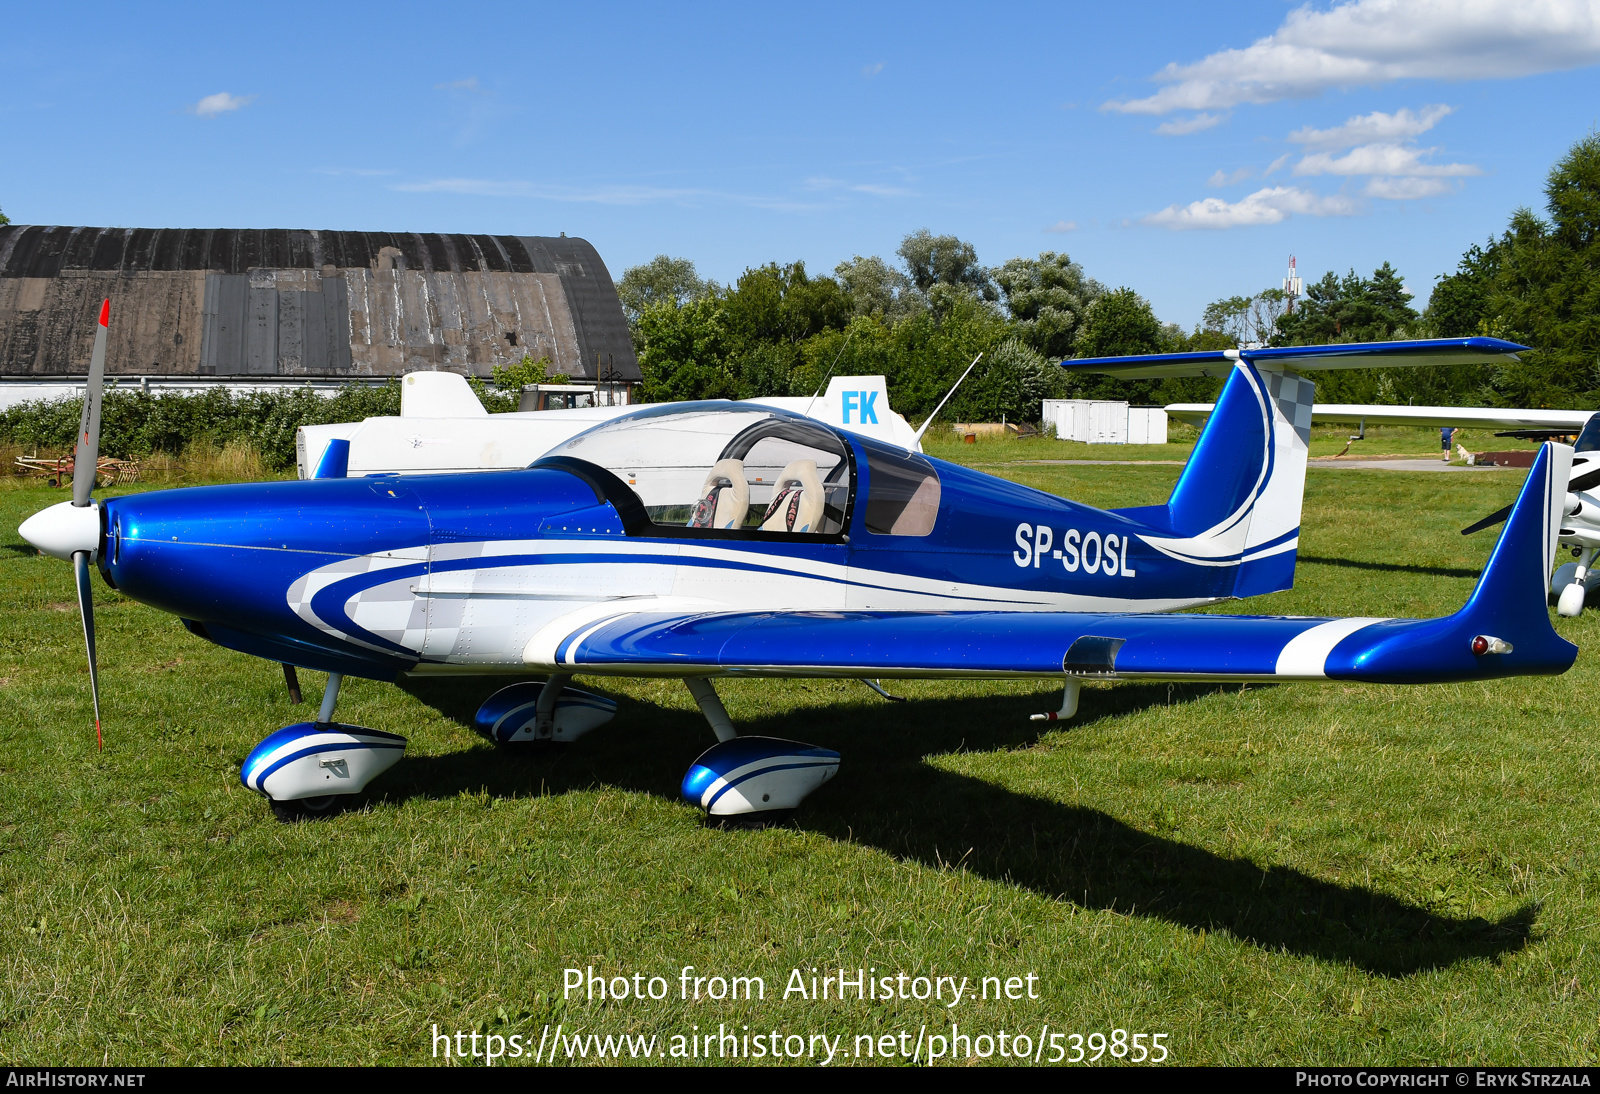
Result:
[469,84]
[1061,226]
[1276,164]
[1370,42]
[1268,206]
[1224,178]
[1407,189]
[513,188]
[1382,159]
[363,171]
[606,195]
[872,70]
[822,182]
[220,103]
[1189,125]
[882,191]
[1376,127]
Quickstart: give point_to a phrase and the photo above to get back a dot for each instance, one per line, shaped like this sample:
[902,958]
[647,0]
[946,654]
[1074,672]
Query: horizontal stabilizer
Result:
[1426,351]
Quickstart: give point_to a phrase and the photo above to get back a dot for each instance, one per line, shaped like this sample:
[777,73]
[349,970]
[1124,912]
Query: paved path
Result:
[1337,465]
[1402,465]
[1085,463]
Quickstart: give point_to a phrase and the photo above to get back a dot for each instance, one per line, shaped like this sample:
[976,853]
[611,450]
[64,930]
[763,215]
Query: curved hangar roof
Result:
[292,302]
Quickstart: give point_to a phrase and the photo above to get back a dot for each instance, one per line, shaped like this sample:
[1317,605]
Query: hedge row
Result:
[135,423]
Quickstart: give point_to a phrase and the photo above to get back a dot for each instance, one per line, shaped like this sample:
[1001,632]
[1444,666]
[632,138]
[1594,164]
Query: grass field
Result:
[1296,874]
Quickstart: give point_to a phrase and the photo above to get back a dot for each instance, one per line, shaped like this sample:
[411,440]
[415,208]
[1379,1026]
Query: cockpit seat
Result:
[797,500]
[725,497]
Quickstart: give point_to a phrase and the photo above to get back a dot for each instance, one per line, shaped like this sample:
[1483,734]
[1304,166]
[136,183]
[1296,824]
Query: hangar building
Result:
[263,304]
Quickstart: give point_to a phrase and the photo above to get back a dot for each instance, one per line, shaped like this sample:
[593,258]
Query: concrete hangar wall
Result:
[248,303]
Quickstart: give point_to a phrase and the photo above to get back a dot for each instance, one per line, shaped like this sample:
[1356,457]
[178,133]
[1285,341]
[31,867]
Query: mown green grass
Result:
[1277,874]
[988,448]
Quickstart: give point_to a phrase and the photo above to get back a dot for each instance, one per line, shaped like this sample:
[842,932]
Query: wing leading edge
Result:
[1507,610]
[1424,351]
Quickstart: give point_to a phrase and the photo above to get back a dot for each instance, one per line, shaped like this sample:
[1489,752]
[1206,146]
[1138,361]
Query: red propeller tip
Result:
[105,314]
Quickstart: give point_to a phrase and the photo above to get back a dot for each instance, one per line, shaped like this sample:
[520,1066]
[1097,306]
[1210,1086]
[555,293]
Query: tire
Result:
[301,809]
[751,822]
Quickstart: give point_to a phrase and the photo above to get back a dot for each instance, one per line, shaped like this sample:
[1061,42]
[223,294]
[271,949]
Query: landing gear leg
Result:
[705,694]
[750,782]
[330,698]
[1570,603]
[1069,704]
[544,719]
[291,680]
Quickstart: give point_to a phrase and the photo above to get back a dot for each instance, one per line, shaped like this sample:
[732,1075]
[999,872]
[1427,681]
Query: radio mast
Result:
[1293,286]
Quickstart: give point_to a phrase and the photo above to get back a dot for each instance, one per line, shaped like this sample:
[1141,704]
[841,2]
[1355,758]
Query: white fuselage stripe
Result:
[1306,655]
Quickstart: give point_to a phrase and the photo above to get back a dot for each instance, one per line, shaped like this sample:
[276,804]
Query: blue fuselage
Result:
[378,576]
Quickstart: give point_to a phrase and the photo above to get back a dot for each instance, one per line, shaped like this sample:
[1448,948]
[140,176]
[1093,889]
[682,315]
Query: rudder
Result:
[1238,501]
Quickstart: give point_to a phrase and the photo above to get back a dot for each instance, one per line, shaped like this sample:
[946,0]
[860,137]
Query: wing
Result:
[1503,630]
[1564,421]
[1426,351]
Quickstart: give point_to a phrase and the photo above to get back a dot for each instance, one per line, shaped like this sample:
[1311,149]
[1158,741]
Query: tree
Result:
[774,303]
[1120,323]
[1011,383]
[1047,298]
[1350,309]
[876,288]
[4,220]
[684,354]
[1246,319]
[1547,289]
[662,278]
[1460,302]
[944,260]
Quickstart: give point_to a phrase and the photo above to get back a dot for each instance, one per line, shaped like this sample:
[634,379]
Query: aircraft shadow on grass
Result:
[1391,567]
[886,797]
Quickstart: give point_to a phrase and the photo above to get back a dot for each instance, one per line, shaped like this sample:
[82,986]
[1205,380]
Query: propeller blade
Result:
[86,457]
[85,466]
[1574,486]
[1493,518]
[80,564]
[1584,482]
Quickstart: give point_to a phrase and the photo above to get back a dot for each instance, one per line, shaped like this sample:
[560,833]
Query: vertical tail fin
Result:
[1238,500]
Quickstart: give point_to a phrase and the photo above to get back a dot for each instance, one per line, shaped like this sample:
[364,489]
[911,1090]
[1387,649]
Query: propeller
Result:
[85,466]
[1574,486]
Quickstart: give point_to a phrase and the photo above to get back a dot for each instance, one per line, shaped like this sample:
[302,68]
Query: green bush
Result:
[134,424]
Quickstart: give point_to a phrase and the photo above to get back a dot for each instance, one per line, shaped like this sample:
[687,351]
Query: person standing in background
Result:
[1446,435]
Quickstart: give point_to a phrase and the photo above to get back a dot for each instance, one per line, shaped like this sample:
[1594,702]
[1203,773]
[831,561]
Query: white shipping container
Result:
[1096,421]
[1069,418]
[1108,422]
[1147,425]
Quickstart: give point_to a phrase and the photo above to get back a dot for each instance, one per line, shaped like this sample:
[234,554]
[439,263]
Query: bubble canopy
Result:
[724,467]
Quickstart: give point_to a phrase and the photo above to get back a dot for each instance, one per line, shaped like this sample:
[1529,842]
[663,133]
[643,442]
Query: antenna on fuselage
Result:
[849,335]
[918,438]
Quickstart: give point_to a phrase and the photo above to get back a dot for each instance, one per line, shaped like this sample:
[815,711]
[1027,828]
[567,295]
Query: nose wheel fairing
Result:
[310,760]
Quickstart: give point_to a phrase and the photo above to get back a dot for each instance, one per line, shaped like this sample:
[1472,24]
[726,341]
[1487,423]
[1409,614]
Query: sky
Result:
[1184,150]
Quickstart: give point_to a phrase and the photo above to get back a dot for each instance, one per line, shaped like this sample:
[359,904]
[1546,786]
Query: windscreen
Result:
[1589,439]
[902,494]
[722,468]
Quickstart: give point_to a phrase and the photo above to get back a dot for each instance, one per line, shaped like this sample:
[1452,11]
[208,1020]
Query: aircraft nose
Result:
[64,529]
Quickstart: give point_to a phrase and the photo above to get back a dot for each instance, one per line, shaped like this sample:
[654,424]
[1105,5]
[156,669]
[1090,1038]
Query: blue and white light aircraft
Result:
[713,539]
